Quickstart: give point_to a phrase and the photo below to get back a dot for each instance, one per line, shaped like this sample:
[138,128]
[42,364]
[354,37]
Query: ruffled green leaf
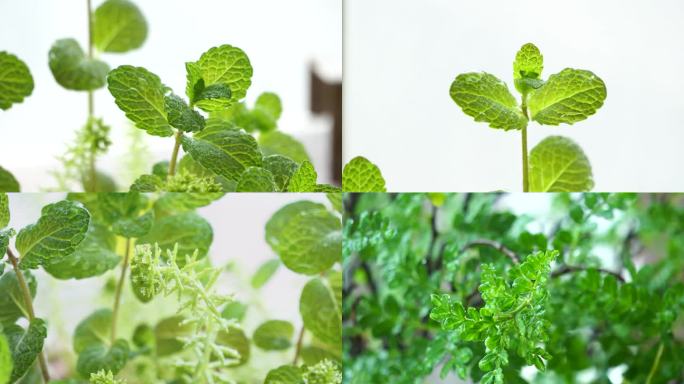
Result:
[282,168]
[126,213]
[304,179]
[72,69]
[181,116]
[557,164]
[255,179]
[25,345]
[190,230]
[16,81]
[226,153]
[4,210]
[360,175]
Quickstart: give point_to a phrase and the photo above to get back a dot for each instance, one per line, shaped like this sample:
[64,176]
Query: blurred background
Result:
[401,57]
[295,48]
[238,222]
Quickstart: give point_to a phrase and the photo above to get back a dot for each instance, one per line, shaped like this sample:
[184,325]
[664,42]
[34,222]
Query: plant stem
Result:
[298,349]
[174,155]
[578,268]
[656,362]
[28,301]
[526,182]
[92,171]
[492,244]
[119,289]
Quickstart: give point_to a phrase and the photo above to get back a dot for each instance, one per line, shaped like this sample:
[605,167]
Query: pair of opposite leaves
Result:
[557,163]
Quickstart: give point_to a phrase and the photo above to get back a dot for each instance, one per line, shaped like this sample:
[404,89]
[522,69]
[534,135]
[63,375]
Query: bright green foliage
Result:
[487,99]
[263,117]
[4,210]
[60,229]
[103,377]
[73,70]
[255,179]
[567,97]
[5,236]
[126,213]
[99,357]
[8,183]
[557,164]
[25,345]
[221,65]
[325,372]
[168,334]
[118,26]
[287,374]
[11,301]
[140,94]
[265,272]
[320,310]
[280,143]
[360,175]
[94,329]
[282,168]
[304,178]
[16,81]
[274,335]
[181,116]
[188,230]
[6,363]
[528,63]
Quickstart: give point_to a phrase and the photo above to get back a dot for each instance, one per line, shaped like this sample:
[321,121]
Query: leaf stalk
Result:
[119,289]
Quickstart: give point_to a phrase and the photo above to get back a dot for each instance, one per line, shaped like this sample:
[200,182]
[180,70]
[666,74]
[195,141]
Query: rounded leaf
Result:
[558,164]
[8,183]
[16,82]
[118,26]
[360,175]
[72,69]
[274,335]
[320,312]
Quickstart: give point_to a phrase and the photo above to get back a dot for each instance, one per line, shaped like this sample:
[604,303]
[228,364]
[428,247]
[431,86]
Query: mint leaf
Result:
[60,229]
[255,179]
[279,143]
[335,200]
[5,236]
[172,202]
[223,65]
[181,116]
[264,273]
[304,179]
[487,99]
[312,355]
[270,104]
[93,257]
[126,213]
[279,221]
[140,94]
[6,363]
[227,153]
[286,374]
[7,181]
[320,312]
[168,333]
[274,335]
[101,357]
[72,69]
[93,330]
[215,97]
[102,377]
[237,340]
[528,63]
[147,183]
[234,310]
[4,210]
[118,26]
[567,97]
[16,81]
[557,164]
[360,175]
[25,345]
[190,230]
[282,168]
[12,300]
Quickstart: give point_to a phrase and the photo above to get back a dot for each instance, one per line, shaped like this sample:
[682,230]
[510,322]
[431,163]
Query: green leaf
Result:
[174,202]
[279,143]
[60,229]
[93,330]
[227,153]
[312,355]
[255,179]
[4,211]
[190,230]
[320,312]
[557,164]
[118,26]
[282,168]
[8,183]
[95,358]
[264,273]
[360,175]
[308,239]
[147,183]
[528,63]
[335,200]
[235,310]
[181,116]
[168,333]
[6,363]
[222,65]
[237,340]
[567,97]
[140,94]
[274,335]
[93,257]
[487,99]
[12,305]
[304,179]
[270,104]
[286,374]
[25,345]
[16,81]
[72,69]
[126,213]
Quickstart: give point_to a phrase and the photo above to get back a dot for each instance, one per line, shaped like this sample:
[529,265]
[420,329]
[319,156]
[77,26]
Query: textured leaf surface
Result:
[227,153]
[140,94]
[25,345]
[487,99]
[4,210]
[274,335]
[118,26]
[126,213]
[190,230]
[6,363]
[226,65]
[557,164]
[72,69]
[99,357]
[264,273]
[93,257]
[255,179]
[529,62]
[567,97]
[360,175]
[279,143]
[287,374]
[8,183]
[12,300]
[320,312]
[60,229]
[181,116]
[279,221]
[16,81]
[5,236]
[304,179]
[282,168]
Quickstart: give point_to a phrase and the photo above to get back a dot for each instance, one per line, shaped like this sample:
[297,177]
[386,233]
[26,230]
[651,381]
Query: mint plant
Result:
[556,164]
[444,285]
[360,175]
[155,248]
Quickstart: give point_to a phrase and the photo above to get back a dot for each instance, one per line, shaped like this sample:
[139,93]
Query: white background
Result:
[281,38]
[401,57]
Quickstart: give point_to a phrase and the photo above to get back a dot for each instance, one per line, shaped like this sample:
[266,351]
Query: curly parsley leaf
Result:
[557,164]
[72,69]
[16,81]
[118,26]
[360,175]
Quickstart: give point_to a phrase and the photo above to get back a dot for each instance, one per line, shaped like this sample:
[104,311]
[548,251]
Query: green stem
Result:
[174,155]
[92,170]
[119,289]
[526,182]
[298,349]
[656,362]
[28,301]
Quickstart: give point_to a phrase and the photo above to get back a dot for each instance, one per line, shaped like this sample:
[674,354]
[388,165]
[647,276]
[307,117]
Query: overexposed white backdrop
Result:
[282,39]
[401,56]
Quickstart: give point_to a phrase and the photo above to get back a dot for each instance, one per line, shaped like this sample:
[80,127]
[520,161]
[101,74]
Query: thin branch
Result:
[119,289]
[492,244]
[299,346]
[579,268]
[656,362]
